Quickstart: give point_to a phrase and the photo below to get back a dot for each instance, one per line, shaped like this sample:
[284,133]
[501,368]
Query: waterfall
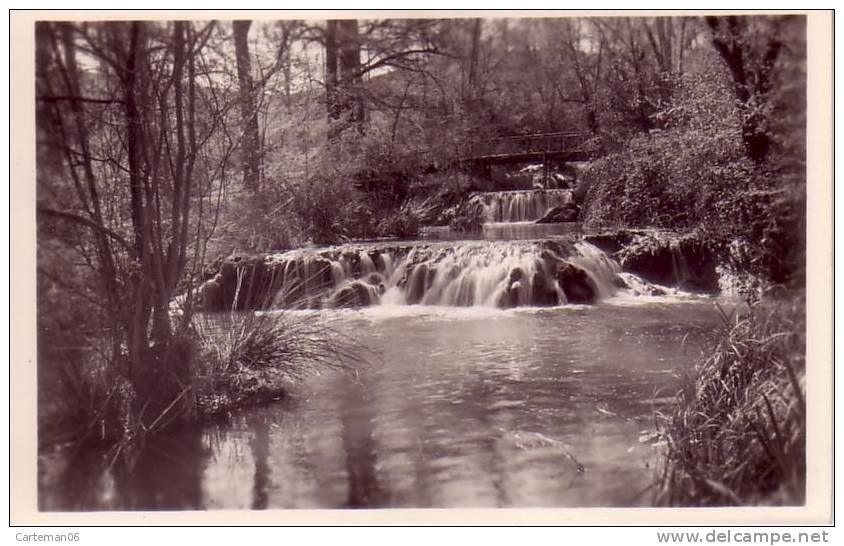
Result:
[521,205]
[679,266]
[469,273]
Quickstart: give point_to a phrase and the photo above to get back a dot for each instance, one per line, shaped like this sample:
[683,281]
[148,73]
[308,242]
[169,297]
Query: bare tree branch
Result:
[41,209]
[92,100]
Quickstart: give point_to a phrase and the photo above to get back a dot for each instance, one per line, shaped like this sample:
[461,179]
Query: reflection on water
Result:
[359,447]
[163,473]
[156,476]
[464,408]
[260,444]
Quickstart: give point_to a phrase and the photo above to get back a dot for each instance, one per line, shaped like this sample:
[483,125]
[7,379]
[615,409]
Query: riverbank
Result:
[234,360]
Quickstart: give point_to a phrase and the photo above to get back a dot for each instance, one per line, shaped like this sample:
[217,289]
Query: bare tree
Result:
[387,45]
[142,95]
[250,143]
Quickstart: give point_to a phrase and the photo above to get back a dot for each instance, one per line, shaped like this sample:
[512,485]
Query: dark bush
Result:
[330,211]
[256,221]
[402,222]
[709,188]
[469,216]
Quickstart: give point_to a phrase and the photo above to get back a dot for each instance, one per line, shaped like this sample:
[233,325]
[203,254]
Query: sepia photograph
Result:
[405,261]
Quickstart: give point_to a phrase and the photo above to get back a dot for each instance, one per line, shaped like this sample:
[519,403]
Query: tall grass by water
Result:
[251,357]
[234,358]
[737,436]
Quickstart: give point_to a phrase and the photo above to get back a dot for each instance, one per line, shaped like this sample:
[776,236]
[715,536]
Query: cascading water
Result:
[521,205]
[469,273]
[679,266]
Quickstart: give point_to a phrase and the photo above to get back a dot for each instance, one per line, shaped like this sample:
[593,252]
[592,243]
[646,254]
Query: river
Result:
[485,385]
[458,407]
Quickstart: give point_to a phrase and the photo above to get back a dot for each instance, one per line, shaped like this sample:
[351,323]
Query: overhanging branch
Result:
[59,98]
[85,222]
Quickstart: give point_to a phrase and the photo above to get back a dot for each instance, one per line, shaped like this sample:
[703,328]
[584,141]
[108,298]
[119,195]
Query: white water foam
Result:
[465,274]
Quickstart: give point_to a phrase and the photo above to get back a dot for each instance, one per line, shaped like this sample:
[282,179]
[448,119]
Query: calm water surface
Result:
[462,408]
[505,231]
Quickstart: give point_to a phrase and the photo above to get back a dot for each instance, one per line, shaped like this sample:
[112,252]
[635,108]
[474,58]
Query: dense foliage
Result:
[696,173]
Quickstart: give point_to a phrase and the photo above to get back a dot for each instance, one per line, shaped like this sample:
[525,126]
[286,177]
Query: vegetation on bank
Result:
[726,166]
[234,359]
[738,433]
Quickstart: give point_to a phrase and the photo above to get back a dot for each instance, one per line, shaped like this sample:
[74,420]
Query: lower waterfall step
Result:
[469,273]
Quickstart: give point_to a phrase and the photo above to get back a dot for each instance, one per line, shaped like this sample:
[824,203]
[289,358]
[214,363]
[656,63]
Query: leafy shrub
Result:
[330,210]
[402,222]
[694,175]
[650,184]
[252,221]
[709,188]
[469,216]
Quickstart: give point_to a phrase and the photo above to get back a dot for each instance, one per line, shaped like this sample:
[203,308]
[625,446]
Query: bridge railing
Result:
[524,144]
[502,147]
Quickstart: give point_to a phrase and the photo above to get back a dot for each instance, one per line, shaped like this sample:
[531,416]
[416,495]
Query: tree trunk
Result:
[139,312]
[474,54]
[344,102]
[471,91]
[331,80]
[250,144]
[350,73]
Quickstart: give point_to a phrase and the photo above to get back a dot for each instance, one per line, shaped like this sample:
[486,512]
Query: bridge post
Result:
[482,169]
[546,175]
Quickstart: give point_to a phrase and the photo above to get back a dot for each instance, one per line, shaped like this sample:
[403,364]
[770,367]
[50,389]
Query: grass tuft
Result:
[737,436]
[251,357]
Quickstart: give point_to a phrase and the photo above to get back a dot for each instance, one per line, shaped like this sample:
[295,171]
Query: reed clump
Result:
[252,357]
[737,435]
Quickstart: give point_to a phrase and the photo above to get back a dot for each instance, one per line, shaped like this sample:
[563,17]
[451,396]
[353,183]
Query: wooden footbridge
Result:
[524,148]
[546,148]
[480,155]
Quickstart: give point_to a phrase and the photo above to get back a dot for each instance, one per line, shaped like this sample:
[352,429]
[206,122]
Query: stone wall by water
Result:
[664,258]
